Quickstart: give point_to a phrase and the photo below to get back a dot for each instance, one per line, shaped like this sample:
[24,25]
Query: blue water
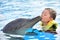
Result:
[13,9]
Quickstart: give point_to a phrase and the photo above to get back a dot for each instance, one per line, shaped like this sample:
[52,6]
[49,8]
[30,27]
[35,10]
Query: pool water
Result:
[14,9]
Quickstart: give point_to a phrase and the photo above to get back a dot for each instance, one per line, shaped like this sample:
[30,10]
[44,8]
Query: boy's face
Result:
[45,16]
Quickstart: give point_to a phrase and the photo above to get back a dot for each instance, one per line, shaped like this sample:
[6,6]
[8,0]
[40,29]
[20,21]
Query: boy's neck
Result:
[45,23]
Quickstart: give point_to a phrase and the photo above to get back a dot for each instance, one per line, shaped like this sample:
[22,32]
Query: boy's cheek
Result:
[45,20]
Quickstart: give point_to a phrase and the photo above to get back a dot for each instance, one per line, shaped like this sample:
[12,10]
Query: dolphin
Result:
[19,26]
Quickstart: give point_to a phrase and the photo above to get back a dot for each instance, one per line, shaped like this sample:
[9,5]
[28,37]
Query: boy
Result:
[47,22]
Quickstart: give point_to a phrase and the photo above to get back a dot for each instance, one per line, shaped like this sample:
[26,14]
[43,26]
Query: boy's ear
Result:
[51,18]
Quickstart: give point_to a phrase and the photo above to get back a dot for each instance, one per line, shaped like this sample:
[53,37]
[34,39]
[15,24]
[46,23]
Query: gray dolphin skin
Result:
[19,26]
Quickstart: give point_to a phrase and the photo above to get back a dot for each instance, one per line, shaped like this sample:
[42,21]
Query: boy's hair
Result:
[52,13]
